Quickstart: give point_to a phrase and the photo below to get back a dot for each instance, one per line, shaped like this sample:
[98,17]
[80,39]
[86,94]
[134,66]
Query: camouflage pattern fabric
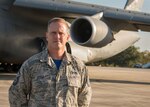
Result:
[39,83]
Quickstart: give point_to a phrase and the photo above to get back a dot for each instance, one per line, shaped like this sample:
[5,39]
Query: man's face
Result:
[57,35]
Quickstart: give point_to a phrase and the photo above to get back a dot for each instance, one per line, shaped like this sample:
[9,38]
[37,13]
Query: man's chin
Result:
[57,45]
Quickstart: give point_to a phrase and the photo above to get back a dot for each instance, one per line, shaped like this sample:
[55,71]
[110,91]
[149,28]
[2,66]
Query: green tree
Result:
[127,58]
[145,57]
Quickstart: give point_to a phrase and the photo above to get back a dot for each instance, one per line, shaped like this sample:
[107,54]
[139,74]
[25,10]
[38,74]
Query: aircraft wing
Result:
[97,32]
[136,20]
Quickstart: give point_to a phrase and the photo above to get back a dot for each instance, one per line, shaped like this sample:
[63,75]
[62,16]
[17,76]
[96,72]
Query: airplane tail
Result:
[134,5]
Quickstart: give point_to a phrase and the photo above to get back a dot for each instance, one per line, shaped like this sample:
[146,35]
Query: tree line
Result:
[127,58]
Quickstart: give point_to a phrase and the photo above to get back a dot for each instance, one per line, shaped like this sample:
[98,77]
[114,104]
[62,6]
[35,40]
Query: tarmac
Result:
[112,87]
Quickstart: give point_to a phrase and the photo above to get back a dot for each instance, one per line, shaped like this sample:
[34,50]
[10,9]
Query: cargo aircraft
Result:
[97,32]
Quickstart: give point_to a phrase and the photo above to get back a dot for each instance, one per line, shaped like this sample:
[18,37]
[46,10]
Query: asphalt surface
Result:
[112,87]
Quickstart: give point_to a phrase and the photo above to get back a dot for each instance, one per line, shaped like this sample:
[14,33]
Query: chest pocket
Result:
[74,79]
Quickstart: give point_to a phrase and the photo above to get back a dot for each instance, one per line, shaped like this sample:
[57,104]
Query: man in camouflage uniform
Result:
[53,77]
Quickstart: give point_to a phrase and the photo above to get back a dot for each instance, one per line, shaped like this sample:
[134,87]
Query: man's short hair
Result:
[57,19]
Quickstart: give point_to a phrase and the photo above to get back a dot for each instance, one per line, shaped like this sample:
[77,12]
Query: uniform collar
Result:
[45,57]
[67,58]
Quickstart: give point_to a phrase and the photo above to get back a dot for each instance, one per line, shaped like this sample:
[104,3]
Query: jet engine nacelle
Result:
[90,32]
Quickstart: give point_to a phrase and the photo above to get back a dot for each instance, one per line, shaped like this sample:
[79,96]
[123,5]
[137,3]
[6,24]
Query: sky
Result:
[144,42]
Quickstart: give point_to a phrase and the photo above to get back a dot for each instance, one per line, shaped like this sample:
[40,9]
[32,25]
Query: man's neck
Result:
[56,54]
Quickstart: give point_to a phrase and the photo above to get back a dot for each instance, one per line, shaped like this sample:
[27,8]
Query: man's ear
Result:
[68,37]
[46,36]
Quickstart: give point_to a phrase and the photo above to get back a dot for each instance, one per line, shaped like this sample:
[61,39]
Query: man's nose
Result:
[57,35]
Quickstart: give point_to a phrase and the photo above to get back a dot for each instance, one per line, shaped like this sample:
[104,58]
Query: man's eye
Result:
[60,33]
[53,33]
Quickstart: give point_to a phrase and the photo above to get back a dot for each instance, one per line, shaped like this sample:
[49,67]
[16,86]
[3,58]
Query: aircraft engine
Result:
[90,32]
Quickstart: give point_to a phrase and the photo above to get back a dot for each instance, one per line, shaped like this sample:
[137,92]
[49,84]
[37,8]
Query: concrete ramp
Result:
[112,87]
[122,75]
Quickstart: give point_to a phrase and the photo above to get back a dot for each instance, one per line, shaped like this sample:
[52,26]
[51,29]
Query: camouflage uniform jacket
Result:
[39,83]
